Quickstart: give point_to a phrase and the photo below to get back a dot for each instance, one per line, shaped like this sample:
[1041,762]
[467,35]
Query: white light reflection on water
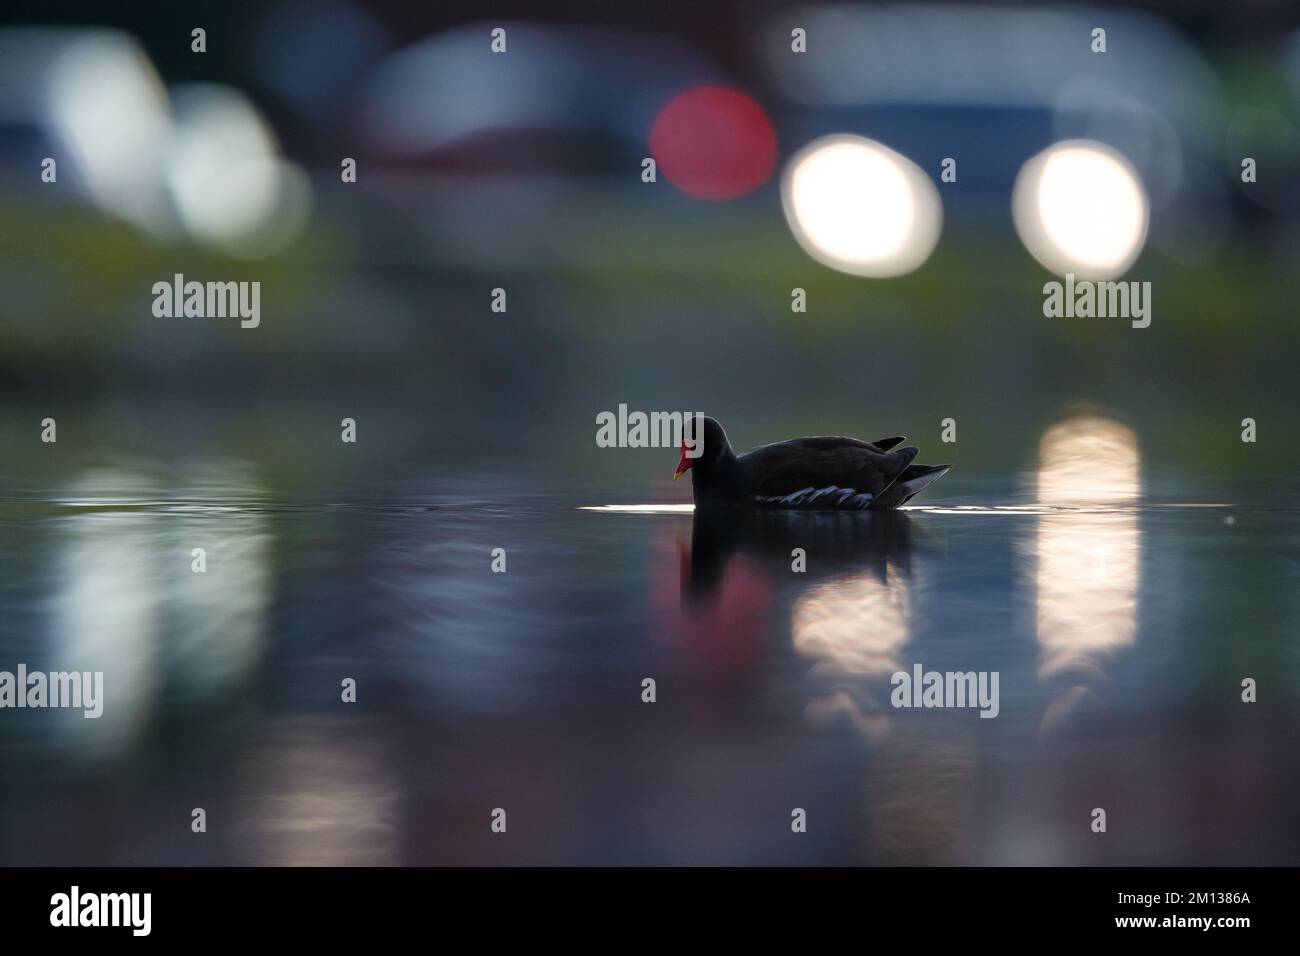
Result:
[104,612]
[854,628]
[125,578]
[1088,562]
[642,509]
[216,620]
[319,792]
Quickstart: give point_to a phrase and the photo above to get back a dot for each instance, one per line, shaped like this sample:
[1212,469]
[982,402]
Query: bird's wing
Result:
[826,443]
[818,463]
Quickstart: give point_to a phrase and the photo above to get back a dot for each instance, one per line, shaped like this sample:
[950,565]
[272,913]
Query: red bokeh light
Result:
[713,142]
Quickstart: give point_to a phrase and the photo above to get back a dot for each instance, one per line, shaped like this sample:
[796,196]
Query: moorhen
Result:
[825,474]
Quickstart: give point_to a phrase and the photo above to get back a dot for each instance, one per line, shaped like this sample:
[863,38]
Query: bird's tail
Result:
[916,477]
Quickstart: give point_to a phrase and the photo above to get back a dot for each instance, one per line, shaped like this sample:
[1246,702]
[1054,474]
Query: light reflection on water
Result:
[856,628]
[319,792]
[523,689]
[130,598]
[103,615]
[1088,565]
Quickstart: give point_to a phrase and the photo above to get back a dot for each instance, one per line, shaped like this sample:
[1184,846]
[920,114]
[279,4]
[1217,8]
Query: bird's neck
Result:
[719,479]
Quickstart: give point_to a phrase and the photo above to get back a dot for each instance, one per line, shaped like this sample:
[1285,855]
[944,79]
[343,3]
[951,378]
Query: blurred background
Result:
[522,171]
[776,170]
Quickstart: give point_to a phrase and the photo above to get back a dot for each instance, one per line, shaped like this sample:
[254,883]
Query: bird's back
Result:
[842,472]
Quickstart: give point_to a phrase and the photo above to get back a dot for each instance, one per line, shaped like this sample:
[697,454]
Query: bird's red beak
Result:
[684,465]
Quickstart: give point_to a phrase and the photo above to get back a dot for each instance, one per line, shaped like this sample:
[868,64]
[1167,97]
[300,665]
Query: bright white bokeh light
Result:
[1081,208]
[860,207]
[109,109]
[231,188]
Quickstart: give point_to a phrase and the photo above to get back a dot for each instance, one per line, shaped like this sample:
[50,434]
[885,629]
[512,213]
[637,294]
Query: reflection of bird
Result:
[831,474]
[834,544]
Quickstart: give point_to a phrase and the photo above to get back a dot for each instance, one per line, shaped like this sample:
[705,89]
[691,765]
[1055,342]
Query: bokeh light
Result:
[1081,208]
[713,142]
[108,108]
[232,189]
[860,207]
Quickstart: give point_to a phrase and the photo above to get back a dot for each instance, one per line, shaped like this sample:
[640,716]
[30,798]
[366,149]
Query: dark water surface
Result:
[1121,632]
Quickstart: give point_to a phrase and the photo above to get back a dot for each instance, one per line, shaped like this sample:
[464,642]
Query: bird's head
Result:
[704,447]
